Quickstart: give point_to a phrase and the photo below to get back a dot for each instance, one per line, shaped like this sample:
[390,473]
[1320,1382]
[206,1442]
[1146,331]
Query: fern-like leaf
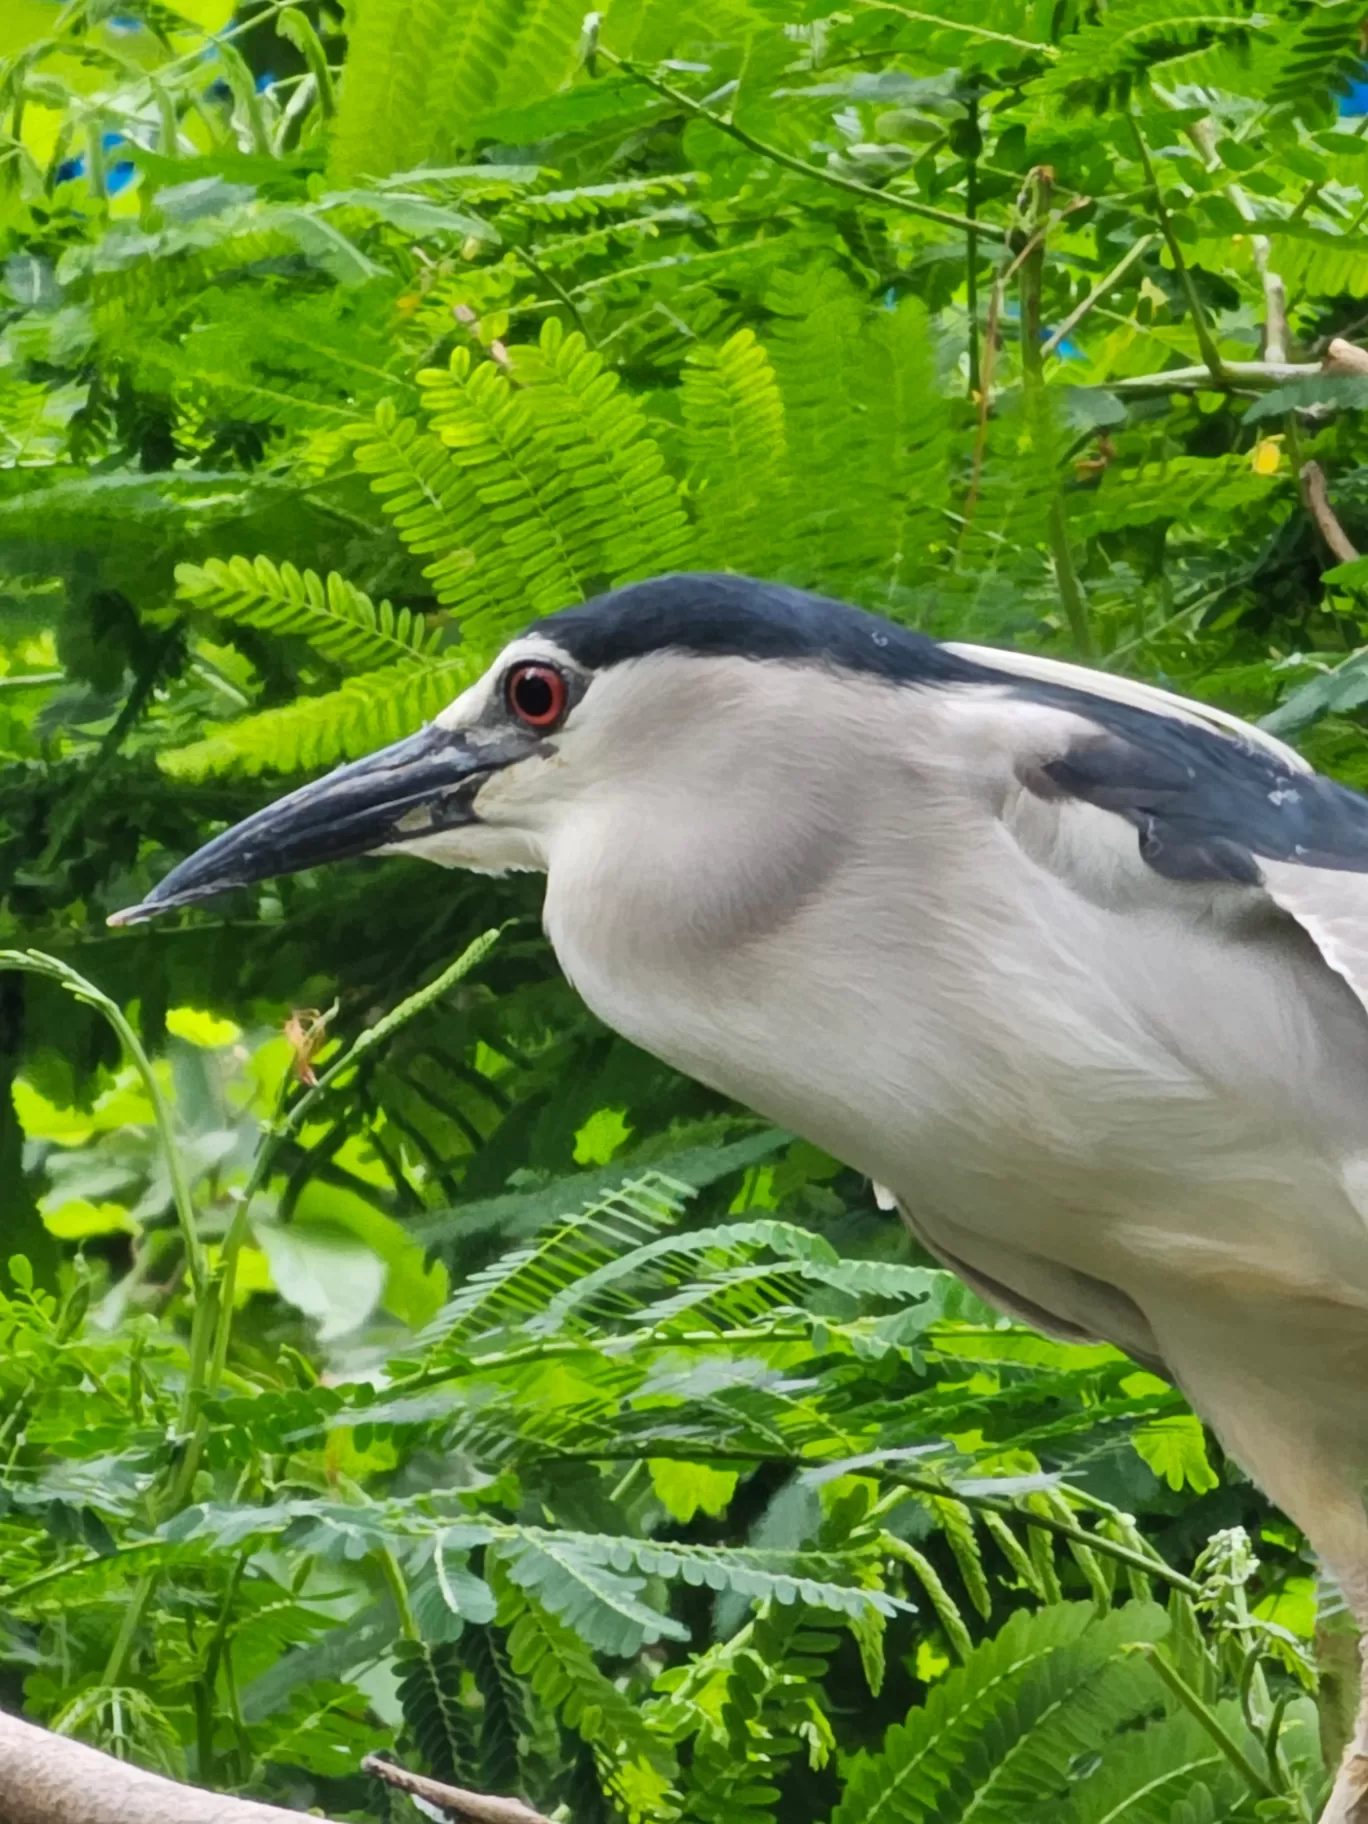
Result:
[578,1575]
[429,1690]
[339,621]
[1005,1729]
[517,1287]
[603,1606]
[737,445]
[572,489]
[504,1721]
[867,436]
[1325,54]
[593,202]
[623,498]
[314,732]
[635,1761]
[1104,63]
[514,465]
[1141,1778]
[422,73]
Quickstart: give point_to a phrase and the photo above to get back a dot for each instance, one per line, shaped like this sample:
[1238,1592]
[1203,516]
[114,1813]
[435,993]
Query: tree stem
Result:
[1211,355]
[1207,1717]
[890,199]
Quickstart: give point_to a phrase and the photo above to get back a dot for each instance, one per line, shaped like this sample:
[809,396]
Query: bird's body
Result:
[1126,1107]
[1077,970]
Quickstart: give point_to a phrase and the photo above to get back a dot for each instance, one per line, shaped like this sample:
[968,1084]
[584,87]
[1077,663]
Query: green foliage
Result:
[338,620]
[1139,41]
[1007,1728]
[429,1689]
[564,1430]
[318,731]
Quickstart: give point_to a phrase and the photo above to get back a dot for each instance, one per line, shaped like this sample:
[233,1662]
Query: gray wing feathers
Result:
[1206,807]
[1102,685]
[1331,906]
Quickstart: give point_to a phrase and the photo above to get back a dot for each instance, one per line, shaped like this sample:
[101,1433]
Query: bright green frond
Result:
[429,1693]
[737,446]
[434,68]
[437,513]
[338,620]
[1133,42]
[562,1674]
[1053,1685]
[514,466]
[619,498]
[515,1289]
[314,732]
[867,435]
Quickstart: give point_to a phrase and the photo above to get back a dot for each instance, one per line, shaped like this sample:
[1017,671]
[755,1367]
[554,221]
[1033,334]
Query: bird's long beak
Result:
[420,785]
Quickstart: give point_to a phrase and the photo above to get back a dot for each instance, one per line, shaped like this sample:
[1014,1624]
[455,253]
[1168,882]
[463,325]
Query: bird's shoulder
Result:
[1122,788]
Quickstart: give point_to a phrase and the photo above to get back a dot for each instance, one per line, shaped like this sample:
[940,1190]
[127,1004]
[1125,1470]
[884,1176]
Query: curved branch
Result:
[44,1777]
[1317,498]
[468,1807]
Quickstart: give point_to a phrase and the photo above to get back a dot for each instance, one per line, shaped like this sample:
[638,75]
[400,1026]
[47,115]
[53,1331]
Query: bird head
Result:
[680,682]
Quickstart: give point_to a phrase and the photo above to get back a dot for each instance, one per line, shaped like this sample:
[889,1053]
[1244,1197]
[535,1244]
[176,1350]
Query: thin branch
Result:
[1203,136]
[891,199]
[1035,204]
[1096,295]
[1317,501]
[1235,377]
[971,248]
[1192,1701]
[980,32]
[1037,199]
[288,1122]
[1069,582]
[36,962]
[553,285]
[476,1807]
[1011,264]
[1275,302]
[1211,355]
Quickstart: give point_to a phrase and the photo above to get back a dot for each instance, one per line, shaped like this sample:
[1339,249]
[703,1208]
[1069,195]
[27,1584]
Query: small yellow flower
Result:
[1266,456]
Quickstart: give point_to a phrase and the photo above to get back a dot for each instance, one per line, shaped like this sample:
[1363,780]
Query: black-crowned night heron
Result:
[1079,969]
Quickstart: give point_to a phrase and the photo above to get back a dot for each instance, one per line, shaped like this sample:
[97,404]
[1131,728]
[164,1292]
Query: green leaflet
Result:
[637,1762]
[1005,1727]
[561,465]
[1104,63]
[737,444]
[339,621]
[429,1691]
[313,732]
[434,69]
[516,1287]
[504,1723]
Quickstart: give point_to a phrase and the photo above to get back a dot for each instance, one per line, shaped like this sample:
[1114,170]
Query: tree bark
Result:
[47,1779]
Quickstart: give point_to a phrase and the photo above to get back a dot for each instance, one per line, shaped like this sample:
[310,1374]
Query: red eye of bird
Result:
[536,695]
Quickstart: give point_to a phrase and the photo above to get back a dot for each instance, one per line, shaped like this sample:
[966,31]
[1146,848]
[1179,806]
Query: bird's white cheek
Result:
[483,848]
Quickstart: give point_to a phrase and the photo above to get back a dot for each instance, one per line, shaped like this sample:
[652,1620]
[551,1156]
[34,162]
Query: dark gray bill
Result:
[419,785]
